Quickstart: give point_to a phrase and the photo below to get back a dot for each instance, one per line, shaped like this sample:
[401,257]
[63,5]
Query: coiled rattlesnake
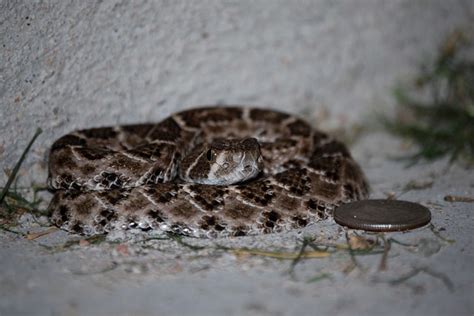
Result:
[214,171]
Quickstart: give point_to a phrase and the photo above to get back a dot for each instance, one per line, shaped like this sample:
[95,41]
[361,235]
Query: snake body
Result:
[205,172]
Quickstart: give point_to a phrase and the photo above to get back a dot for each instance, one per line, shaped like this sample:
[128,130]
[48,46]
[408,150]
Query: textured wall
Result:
[67,65]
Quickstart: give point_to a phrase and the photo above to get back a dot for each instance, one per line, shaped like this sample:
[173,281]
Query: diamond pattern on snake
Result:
[205,172]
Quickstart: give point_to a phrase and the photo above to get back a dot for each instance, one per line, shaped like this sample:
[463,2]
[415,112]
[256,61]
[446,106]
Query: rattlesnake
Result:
[205,172]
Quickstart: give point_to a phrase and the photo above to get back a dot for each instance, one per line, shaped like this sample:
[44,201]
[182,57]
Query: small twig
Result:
[15,170]
[319,247]
[437,234]
[155,238]
[11,230]
[319,277]
[393,240]
[446,281]
[179,240]
[386,249]
[458,198]
[306,242]
[354,261]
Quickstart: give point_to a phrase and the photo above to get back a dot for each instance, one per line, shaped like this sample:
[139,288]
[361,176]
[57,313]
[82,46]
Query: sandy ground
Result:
[69,65]
[135,274]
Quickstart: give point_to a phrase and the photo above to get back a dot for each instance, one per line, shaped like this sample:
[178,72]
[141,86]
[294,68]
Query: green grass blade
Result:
[15,170]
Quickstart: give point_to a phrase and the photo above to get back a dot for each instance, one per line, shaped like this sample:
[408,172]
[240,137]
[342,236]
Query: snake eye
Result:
[209,155]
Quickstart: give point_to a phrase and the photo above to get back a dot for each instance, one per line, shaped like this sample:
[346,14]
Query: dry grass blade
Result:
[33,236]
[281,255]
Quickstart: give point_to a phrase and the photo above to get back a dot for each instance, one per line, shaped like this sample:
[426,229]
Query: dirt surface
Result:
[427,271]
[76,65]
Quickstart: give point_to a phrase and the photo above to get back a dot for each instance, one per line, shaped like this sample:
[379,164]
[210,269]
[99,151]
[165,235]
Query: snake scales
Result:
[205,172]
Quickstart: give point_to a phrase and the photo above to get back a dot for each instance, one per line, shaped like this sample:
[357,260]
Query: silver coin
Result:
[382,215]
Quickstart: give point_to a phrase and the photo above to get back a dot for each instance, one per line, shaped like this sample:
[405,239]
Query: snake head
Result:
[223,162]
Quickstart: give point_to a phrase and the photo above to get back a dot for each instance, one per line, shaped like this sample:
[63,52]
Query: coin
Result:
[382,215]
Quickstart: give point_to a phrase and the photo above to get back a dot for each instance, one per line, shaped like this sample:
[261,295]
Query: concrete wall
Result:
[77,64]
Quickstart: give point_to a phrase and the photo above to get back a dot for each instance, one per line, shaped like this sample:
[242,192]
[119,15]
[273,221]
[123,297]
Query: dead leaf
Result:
[359,243]
[84,243]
